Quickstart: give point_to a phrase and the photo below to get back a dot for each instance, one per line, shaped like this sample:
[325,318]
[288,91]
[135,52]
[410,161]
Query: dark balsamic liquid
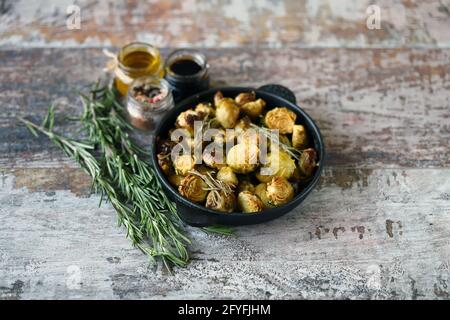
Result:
[185,67]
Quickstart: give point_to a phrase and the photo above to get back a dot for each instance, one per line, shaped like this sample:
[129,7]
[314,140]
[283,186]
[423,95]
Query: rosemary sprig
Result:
[123,178]
[213,185]
[80,151]
[157,215]
[293,152]
[142,206]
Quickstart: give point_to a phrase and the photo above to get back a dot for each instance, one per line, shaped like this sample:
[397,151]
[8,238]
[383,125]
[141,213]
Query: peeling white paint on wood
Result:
[336,245]
[378,224]
[375,108]
[225,23]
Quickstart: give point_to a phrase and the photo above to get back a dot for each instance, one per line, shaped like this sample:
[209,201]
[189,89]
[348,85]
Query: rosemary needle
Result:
[266,132]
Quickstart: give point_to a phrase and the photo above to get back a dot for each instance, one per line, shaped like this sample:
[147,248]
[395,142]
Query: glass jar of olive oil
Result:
[135,60]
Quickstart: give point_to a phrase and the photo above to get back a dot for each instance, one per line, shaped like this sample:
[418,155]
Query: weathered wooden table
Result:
[377,226]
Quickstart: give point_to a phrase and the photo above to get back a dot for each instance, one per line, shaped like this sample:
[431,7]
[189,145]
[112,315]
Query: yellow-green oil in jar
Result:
[135,60]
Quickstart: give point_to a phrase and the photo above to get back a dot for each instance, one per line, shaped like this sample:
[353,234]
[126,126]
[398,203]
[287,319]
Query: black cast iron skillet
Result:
[198,215]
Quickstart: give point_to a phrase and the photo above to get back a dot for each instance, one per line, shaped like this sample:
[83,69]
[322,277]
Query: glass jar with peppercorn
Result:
[148,99]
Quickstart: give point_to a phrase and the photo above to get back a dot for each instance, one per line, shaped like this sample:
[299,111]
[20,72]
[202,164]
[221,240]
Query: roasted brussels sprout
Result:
[227,113]
[243,158]
[205,170]
[279,191]
[285,140]
[296,176]
[180,134]
[249,136]
[217,98]
[299,137]
[275,145]
[245,185]
[165,146]
[183,164]
[214,156]
[307,162]
[221,201]
[242,124]
[175,179]
[193,188]
[204,110]
[245,97]
[249,202]
[279,164]
[254,108]
[220,137]
[164,162]
[282,119]
[184,144]
[263,177]
[227,175]
[186,120]
[261,192]
[223,137]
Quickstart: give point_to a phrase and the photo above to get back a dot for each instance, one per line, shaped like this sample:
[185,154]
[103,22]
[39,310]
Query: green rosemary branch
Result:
[80,151]
[157,215]
[123,178]
[130,186]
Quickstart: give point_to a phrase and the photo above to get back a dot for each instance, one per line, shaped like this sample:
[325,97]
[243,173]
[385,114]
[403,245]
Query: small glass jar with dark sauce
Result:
[187,73]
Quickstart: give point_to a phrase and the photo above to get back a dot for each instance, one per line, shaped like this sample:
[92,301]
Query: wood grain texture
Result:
[367,231]
[378,224]
[226,23]
[376,108]
[384,237]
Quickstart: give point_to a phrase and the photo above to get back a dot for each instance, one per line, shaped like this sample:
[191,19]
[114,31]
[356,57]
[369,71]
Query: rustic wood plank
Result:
[377,226]
[226,23]
[363,233]
[375,107]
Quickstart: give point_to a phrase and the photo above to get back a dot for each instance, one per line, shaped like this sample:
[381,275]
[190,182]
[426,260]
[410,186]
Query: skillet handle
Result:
[279,90]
